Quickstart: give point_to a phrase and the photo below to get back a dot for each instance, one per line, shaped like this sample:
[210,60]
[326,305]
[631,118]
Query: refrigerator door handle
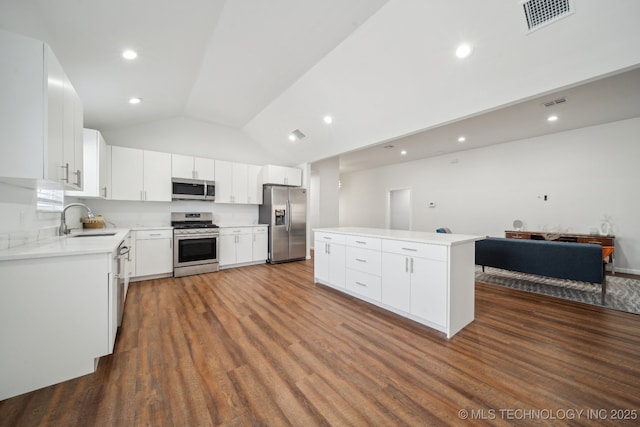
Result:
[287,216]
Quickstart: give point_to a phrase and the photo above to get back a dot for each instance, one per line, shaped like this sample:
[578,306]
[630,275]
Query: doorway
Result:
[399,209]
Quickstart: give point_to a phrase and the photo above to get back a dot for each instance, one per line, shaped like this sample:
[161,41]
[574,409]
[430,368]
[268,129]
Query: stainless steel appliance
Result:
[285,210]
[192,189]
[195,243]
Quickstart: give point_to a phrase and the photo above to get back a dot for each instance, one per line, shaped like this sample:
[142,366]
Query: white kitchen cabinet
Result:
[42,115]
[54,319]
[96,174]
[236,246]
[190,167]
[153,252]
[363,271]
[330,259]
[426,277]
[260,243]
[140,175]
[231,182]
[281,175]
[421,269]
[254,185]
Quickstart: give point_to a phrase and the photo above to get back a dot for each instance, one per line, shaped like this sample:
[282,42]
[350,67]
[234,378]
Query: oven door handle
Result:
[195,236]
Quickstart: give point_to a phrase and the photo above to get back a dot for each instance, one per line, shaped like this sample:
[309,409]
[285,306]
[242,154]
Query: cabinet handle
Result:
[155,234]
[361,260]
[406,265]
[328,249]
[104,192]
[361,242]
[78,175]
[327,238]
[410,249]
[411,265]
[361,284]
[66,172]
[170,244]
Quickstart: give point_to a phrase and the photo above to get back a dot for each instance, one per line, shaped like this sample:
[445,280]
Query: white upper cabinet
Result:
[140,175]
[254,185]
[281,175]
[95,166]
[41,116]
[190,167]
[237,183]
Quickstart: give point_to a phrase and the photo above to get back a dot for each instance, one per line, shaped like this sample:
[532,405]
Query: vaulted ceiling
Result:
[384,69]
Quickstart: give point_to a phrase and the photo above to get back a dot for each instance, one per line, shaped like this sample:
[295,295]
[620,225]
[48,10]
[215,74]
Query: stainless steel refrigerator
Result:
[285,210]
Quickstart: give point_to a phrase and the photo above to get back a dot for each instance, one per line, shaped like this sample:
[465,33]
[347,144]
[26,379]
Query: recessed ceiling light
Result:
[462,139]
[292,137]
[129,54]
[135,100]
[328,119]
[403,152]
[463,50]
[552,118]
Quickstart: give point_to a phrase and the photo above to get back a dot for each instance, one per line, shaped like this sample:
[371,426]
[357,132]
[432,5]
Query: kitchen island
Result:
[59,306]
[426,277]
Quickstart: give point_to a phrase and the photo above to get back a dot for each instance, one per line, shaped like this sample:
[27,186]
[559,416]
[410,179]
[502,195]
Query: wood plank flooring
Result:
[263,345]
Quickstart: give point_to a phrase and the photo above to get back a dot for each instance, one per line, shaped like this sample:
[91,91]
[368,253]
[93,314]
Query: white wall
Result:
[184,135]
[324,194]
[20,222]
[152,214]
[588,174]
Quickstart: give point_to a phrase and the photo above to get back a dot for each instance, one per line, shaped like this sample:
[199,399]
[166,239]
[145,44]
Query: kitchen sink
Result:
[94,234]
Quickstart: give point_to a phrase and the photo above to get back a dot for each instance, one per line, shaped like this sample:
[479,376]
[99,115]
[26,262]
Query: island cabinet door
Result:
[396,281]
[429,290]
[329,264]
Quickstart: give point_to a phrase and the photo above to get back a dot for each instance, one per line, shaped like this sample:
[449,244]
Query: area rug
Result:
[622,293]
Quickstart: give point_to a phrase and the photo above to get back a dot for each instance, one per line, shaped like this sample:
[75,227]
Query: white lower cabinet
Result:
[422,276]
[153,252]
[236,246]
[54,319]
[330,260]
[415,285]
[260,244]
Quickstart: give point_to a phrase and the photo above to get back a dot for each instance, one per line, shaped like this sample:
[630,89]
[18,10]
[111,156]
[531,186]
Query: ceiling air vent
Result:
[542,12]
[296,135]
[555,102]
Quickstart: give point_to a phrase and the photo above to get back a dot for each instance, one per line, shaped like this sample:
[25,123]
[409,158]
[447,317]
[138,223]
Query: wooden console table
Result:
[606,241]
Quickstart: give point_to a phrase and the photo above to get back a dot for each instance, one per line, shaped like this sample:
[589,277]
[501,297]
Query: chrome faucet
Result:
[63,230]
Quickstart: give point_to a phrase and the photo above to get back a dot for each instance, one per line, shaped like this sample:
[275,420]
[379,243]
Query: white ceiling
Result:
[602,101]
[216,60]
[382,67]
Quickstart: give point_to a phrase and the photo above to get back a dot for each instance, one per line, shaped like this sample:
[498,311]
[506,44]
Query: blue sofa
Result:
[562,260]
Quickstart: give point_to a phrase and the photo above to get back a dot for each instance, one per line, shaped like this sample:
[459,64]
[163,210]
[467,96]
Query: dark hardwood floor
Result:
[263,345]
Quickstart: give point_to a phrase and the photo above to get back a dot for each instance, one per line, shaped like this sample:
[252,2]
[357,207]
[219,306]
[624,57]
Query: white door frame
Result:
[388,215]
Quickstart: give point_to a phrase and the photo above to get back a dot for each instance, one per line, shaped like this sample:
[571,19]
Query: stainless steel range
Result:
[196,243]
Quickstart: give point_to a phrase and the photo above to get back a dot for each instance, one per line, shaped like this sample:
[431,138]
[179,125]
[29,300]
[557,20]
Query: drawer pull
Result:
[361,260]
[327,238]
[361,284]
[410,249]
[155,234]
[361,242]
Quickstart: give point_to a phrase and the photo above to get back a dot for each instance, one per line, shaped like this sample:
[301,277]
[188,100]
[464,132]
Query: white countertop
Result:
[446,239]
[68,245]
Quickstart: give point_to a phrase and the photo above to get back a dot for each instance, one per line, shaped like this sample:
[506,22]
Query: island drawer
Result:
[421,250]
[365,260]
[367,285]
[331,238]
[364,242]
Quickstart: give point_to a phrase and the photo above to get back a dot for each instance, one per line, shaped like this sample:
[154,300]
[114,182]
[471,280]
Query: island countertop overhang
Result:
[444,239]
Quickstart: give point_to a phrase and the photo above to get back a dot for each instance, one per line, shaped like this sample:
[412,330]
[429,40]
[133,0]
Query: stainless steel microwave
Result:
[192,189]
